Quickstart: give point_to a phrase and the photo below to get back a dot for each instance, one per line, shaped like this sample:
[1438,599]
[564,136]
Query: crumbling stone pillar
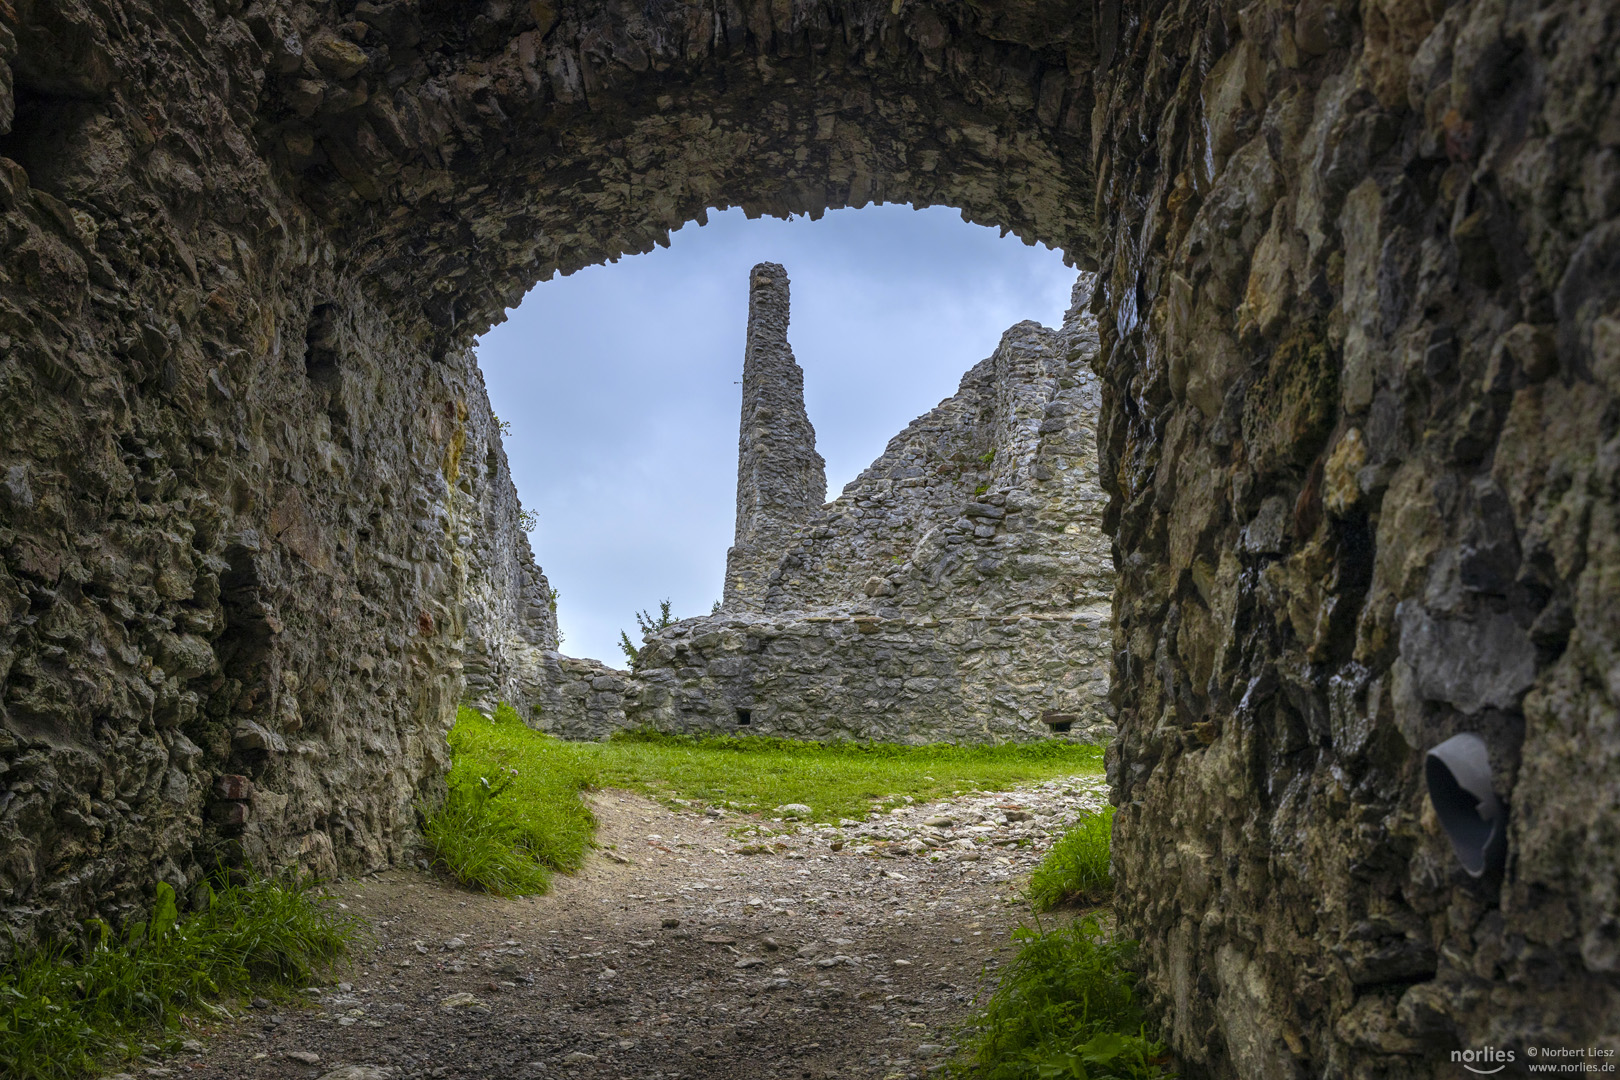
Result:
[781,480]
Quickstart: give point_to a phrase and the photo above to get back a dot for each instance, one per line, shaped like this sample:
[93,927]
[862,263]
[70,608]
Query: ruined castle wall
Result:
[509,614]
[508,645]
[836,676]
[958,590]
[987,505]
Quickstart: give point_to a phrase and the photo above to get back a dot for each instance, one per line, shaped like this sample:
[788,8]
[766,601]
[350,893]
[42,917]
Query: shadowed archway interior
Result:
[1361,361]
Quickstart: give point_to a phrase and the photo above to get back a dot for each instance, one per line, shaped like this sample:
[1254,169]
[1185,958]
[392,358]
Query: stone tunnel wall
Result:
[958,590]
[228,561]
[1361,317]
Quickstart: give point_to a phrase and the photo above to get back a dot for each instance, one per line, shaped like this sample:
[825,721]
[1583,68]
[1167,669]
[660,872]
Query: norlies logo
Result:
[1488,1059]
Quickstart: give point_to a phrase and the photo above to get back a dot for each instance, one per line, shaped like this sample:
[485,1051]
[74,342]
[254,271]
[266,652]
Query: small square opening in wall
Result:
[745,717]
[1057,722]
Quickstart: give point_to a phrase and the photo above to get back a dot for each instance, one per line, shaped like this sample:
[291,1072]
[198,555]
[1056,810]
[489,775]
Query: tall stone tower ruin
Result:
[781,480]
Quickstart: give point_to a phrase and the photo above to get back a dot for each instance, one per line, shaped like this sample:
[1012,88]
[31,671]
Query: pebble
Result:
[462,1000]
[303,1057]
[359,1072]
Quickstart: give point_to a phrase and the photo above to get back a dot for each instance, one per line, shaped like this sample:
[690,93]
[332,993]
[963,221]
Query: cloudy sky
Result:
[621,384]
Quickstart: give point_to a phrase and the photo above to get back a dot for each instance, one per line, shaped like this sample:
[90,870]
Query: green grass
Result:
[1076,867]
[67,1011]
[513,812]
[1065,1008]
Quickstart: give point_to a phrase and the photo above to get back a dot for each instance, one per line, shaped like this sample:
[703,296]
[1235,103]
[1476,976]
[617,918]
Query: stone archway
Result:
[247,249]
[1358,293]
[490,151]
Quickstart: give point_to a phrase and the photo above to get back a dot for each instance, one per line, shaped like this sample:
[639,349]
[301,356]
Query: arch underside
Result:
[488,171]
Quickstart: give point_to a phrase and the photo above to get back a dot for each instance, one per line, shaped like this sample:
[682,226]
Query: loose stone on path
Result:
[852,950]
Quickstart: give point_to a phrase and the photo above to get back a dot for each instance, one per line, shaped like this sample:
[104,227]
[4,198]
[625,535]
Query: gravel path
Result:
[692,945]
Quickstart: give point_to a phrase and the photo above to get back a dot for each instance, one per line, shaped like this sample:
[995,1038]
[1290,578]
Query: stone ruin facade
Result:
[958,590]
[1358,310]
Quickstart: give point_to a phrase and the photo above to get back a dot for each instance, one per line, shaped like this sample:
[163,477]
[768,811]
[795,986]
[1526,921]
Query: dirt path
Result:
[688,959]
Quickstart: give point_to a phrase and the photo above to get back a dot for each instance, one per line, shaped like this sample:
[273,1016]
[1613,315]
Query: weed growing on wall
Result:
[65,1011]
[1077,866]
[1065,1009]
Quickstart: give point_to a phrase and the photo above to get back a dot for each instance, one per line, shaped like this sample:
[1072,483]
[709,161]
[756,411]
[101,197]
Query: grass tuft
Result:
[1076,867]
[65,1011]
[513,812]
[1065,1008]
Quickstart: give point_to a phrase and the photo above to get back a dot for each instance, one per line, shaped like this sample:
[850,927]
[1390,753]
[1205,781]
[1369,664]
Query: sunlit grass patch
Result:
[65,1011]
[513,813]
[1077,866]
[835,780]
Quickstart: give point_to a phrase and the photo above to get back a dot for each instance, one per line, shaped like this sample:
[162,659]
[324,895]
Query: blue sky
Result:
[621,384]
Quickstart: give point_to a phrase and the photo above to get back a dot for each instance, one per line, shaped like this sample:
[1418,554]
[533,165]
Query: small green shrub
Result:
[66,1010]
[1076,867]
[1065,1008]
[648,624]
